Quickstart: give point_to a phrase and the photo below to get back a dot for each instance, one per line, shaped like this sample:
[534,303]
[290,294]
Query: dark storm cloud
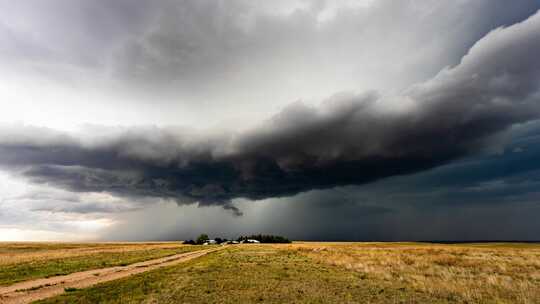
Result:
[511,177]
[350,139]
[492,196]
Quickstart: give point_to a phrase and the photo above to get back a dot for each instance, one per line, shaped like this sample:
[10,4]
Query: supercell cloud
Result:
[349,139]
[314,119]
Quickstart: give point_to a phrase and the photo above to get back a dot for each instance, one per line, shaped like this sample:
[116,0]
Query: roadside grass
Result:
[249,274]
[61,264]
[463,273]
[13,253]
[335,273]
[23,247]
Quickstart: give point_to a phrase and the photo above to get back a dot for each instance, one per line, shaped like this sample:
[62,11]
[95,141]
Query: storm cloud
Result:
[232,63]
[349,139]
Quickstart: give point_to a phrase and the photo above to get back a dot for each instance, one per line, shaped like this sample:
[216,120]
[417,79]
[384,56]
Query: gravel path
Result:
[28,291]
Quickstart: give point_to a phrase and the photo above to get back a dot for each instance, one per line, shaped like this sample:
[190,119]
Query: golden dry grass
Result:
[24,261]
[477,273]
[20,252]
[324,273]
[245,274]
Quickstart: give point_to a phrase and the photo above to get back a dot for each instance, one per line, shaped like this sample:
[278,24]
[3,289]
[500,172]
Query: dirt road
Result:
[28,291]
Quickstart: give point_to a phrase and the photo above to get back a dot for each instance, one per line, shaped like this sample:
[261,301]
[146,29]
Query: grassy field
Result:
[24,261]
[472,273]
[335,273]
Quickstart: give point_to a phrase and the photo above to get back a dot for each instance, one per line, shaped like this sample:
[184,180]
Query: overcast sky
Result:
[317,120]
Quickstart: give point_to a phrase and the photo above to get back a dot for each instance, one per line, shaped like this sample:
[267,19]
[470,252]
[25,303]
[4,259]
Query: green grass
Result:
[40,268]
[248,274]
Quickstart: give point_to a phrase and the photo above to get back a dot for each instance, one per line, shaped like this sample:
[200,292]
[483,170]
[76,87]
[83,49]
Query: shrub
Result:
[202,239]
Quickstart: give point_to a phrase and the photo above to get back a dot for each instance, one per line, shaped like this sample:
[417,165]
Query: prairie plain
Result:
[25,261]
[301,272]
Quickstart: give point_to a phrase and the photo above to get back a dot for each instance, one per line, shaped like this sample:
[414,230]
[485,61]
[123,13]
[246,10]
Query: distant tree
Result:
[202,239]
[265,238]
[190,242]
[219,240]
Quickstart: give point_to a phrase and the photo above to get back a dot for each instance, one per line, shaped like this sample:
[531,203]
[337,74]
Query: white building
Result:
[210,242]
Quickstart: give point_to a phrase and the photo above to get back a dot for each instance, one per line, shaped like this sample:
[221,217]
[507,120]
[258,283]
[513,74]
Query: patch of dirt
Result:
[33,290]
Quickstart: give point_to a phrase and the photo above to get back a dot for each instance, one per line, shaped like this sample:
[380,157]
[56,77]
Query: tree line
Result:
[263,238]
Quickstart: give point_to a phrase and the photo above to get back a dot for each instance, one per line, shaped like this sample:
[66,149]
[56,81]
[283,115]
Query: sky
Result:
[317,120]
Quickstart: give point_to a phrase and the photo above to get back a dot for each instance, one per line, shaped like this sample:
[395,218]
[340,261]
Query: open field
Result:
[32,290]
[25,261]
[477,273]
[308,272]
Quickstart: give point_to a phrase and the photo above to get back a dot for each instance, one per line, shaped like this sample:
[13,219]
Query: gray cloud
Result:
[216,58]
[350,139]
[59,201]
[192,44]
